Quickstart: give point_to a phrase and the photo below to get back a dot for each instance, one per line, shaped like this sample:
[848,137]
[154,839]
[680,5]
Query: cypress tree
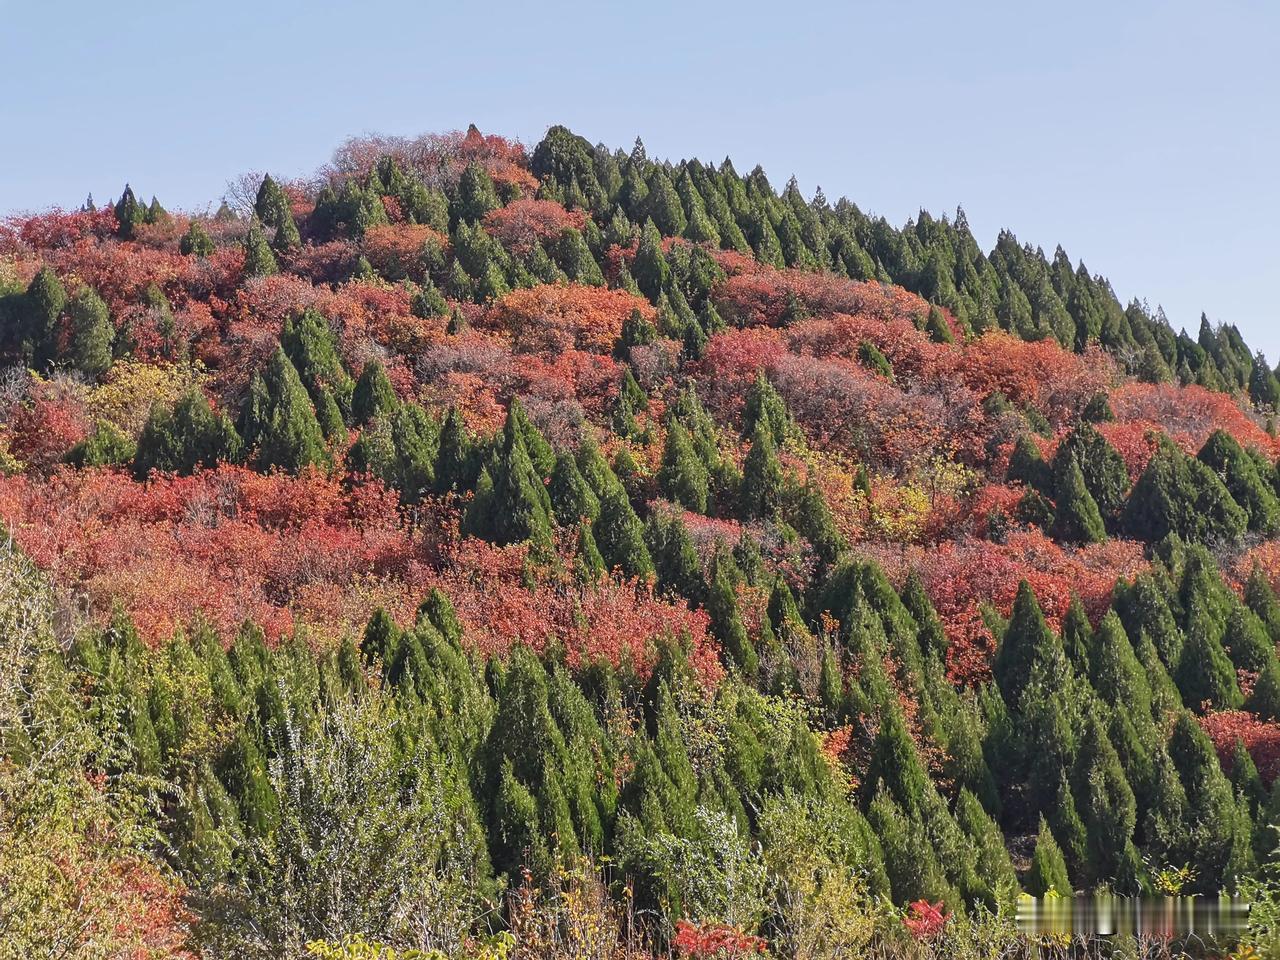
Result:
[1204,672]
[456,461]
[765,405]
[196,242]
[726,622]
[476,194]
[1108,807]
[511,503]
[1077,518]
[572,498]
[1048,867]
[1027,643]
[1261,599]
[761,490]
[259,261]
[278,419]
[373,395]
[620,535]
[683,478]
[993,864]
[1237,470]
[91,333]
[1264,700]
[105,446]
[130,214]
[909,859]
[42,306]
[1245,779]
[1027,465]
[1103,469]
[588,565]
[650,267]
[188,436]
[675,560]
[1177,494]
[1246,640]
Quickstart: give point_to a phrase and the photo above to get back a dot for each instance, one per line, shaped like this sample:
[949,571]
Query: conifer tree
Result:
[650,267]
[1048,867]
[373,396]
[130,214]
[1237,470]
[188,436]
[511,503]
[765,405]
[476,195]
[675,560]
[761,491]
[1177,494]
[44,302]
[620,535]
[196,242]
[1027,643]
[1077,518]
[278,419]
[1204,673]
[572,498]
[683,478]
[91,333]
[588,564]
[259,261]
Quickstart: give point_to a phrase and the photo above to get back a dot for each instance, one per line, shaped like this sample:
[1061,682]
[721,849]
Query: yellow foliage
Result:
[125,397]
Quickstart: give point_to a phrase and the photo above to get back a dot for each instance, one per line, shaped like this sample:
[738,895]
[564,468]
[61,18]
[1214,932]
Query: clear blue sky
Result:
[1144,136]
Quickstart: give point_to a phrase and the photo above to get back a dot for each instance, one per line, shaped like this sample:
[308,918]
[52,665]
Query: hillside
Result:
[405,534]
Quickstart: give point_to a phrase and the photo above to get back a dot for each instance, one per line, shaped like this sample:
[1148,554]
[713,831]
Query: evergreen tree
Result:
[675,560]
[572,498]
[44,302]
[682,478]
[650,267]
[278,420]
[761,491]
[1237,471]
[620,535]
[511,503]
[1048,867]
[765,405]
[130,214]
[1177,494]
[184,437]
[476,195]
[1077,518]
[91,333]
[259,261]
[373,396]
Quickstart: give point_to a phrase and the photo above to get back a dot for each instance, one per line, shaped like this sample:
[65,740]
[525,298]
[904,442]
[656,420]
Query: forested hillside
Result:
[561,552]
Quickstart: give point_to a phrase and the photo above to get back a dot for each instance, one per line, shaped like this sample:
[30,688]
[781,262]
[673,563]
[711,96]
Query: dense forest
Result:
[494,553]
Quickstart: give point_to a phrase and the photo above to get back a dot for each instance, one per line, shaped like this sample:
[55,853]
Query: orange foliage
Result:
[521,224]
[395,250]
[553,317]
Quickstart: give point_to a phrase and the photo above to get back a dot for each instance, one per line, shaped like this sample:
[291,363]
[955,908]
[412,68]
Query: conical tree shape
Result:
[1222,454]
[511,504]
[259,261]
[1048,867]
[761,491]
[373,395]
[620,535]
[683,478]
[572,498]
[281,420]
[1027,641]
[91,333]
[1077,518]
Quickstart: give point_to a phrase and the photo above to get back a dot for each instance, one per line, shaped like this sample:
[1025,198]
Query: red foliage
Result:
[1189,415]
[395,250]
[760,296]
[704,941]
[50,423]
[925,920]
[57,228]
[1260,737]
[554,317]
[609,622]
[521,224]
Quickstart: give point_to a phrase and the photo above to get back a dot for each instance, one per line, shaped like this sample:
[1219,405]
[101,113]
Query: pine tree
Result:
[588,565]
[765,405]
[1048,867]
[373,396]
[259,261]
[1108,808]
[1077,518]
[42,307]
[187,436]
[196,242]
[456,465]
[1105,475]
[91,333]
[1204,672]
[761,491]
[683,478]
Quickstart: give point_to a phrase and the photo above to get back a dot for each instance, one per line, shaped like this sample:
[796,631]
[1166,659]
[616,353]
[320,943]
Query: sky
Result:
[1142,136]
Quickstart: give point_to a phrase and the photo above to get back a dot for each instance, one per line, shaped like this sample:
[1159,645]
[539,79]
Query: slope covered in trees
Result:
[416,531]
